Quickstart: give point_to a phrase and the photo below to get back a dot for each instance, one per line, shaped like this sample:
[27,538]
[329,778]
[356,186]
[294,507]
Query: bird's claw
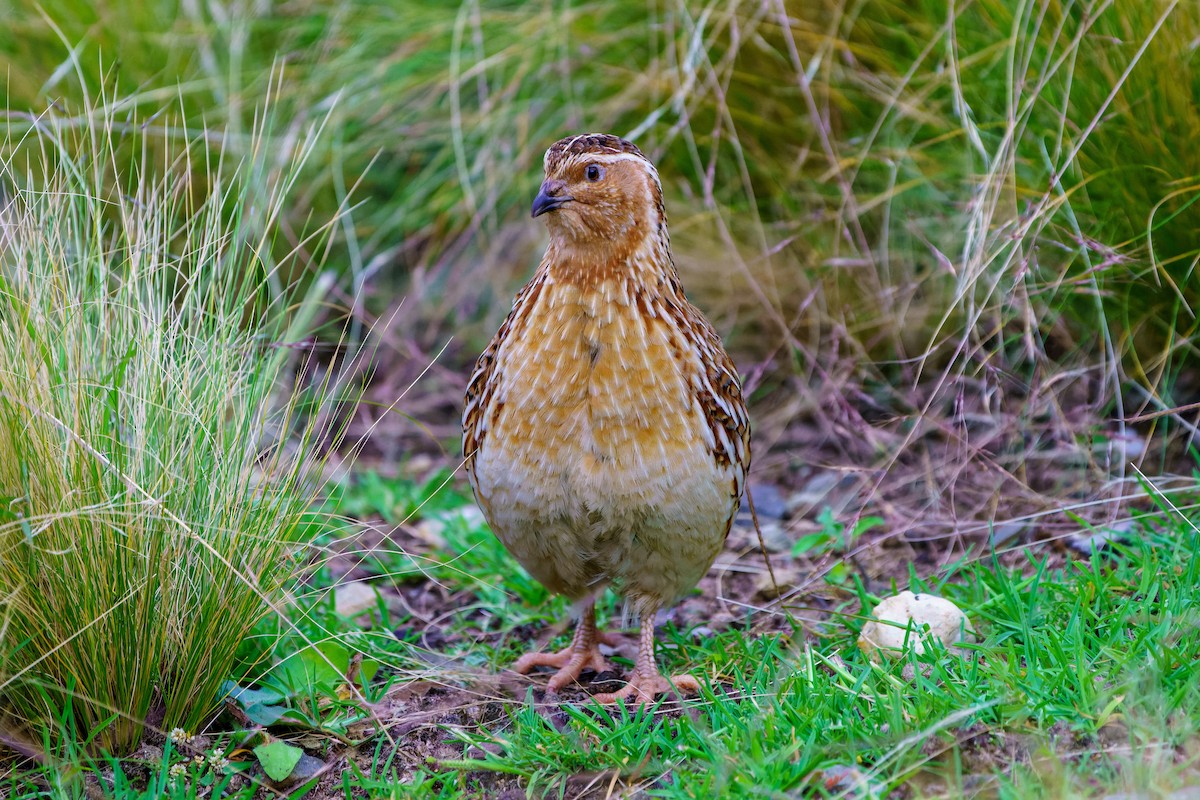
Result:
[642,689]
[570,662]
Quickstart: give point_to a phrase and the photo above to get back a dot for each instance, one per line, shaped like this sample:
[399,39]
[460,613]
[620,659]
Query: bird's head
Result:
[600,191]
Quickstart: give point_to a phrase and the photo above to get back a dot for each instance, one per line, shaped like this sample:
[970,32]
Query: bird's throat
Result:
[590,263]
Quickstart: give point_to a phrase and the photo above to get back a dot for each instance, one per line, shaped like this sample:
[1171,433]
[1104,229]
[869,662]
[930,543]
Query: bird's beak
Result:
[550,197]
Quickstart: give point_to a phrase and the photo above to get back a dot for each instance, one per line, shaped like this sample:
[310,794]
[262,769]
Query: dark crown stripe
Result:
[600,143]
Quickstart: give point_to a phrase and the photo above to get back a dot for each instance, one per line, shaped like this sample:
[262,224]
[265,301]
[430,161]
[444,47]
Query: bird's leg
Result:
[583,653]
[647,682]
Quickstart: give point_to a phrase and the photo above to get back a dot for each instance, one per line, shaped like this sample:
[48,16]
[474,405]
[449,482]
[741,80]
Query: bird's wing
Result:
[719,392]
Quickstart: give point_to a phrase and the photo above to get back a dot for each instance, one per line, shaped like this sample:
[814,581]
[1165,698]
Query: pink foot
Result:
[583,653]
[570,662]
[642,689]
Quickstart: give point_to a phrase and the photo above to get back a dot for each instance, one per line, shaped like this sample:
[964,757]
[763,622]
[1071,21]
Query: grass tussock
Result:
[153,466]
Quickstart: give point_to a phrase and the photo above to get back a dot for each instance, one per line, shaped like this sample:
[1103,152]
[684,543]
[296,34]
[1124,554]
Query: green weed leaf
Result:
[278,759]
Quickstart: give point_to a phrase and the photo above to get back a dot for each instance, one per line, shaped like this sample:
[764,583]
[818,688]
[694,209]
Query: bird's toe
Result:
[643,689]
[570,663]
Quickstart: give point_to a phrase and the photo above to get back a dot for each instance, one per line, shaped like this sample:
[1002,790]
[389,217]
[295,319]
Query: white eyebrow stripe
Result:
[609,158]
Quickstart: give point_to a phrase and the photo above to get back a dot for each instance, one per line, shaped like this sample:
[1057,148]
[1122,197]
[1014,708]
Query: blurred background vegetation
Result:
[874,182]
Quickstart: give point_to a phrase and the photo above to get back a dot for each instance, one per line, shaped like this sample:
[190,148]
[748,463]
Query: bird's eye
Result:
[594,172]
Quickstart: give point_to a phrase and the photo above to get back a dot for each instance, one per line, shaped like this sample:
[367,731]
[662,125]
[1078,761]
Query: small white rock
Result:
[352,599]
[931,617]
